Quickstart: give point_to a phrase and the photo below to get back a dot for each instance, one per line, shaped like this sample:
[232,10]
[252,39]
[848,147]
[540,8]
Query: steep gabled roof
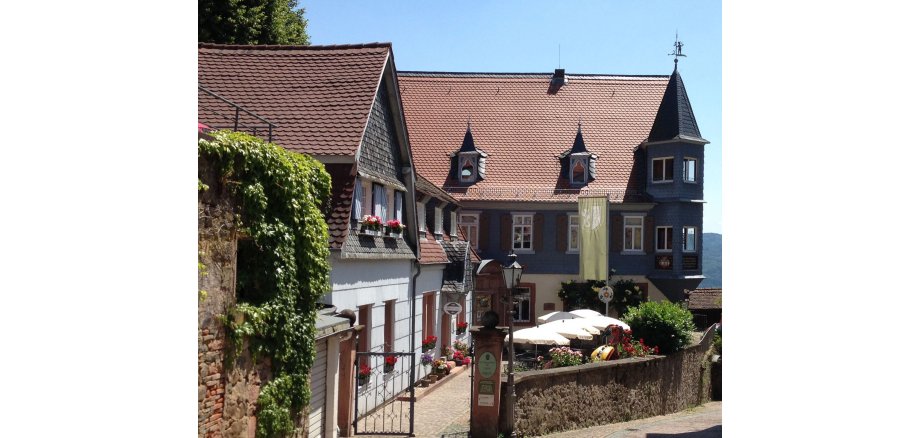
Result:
[524,124]
[675,119]
[704,299]
[319,97]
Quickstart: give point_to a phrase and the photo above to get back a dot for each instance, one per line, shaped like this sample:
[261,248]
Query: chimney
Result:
[559,78]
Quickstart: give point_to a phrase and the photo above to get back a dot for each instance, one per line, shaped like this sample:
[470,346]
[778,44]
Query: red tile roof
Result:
[431,251]
[706,298]
[319,97]
[524,125]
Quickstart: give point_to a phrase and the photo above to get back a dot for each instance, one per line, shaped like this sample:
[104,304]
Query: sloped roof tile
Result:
[524,124]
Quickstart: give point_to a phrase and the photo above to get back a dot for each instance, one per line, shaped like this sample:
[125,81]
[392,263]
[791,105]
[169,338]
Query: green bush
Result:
[661,323]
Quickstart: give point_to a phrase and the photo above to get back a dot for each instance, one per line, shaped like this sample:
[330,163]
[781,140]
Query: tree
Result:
[251,22]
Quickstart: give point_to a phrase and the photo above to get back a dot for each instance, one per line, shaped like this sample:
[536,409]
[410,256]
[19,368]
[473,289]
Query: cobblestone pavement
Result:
[700,422]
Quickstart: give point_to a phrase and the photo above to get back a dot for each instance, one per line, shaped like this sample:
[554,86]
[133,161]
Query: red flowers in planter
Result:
[462,325]
[458,355]
[429,342]
[364,372]
[390,360]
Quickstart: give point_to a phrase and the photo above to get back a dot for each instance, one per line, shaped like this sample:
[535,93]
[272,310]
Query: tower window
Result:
[579,173]
[468,168]
[663,169]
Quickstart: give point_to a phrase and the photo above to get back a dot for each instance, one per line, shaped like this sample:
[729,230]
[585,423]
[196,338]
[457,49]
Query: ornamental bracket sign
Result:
[452,308]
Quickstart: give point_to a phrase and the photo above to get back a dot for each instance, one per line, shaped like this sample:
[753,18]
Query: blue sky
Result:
[622,37]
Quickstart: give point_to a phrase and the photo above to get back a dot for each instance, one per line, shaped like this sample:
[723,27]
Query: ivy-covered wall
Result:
[263,264]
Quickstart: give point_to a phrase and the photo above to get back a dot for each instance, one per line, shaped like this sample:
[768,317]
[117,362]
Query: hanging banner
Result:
[592,230]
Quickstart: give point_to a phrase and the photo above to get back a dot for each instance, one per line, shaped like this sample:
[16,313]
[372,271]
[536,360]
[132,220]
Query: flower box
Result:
[370,225]
[394,229]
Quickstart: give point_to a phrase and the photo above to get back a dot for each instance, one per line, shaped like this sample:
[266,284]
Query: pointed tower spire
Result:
[675,117]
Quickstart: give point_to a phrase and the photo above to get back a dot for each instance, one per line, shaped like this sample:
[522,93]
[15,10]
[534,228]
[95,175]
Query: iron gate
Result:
[385,399]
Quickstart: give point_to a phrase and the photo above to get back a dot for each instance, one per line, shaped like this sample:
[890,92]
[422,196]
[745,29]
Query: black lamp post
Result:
[512,273]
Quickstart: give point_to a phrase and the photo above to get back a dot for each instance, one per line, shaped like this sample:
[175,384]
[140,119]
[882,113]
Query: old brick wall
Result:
[228,388]
[607,392]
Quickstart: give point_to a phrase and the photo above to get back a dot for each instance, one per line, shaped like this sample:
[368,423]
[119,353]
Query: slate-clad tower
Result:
[674,165]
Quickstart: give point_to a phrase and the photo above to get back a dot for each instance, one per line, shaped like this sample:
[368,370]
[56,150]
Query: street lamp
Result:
[512,273]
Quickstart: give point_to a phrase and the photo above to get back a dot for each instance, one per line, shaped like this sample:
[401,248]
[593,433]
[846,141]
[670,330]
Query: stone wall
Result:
[607,392]
[228,387]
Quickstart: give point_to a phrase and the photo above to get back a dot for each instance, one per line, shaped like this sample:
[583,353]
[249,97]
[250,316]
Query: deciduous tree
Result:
[251,22]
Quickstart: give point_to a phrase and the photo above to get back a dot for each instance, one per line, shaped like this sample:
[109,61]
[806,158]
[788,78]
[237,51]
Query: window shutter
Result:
[617,231]
[562,232]
[649,244]
[505,232]
[538,232]
[483,231]
[358,199]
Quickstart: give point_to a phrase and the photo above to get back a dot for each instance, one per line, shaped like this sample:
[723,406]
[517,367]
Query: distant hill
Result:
[712,260]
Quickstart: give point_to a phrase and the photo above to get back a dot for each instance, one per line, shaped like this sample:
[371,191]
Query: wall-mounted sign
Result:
[486,400]
[452,308]
[486,365]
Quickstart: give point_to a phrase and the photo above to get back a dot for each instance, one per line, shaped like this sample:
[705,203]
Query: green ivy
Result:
[282,268]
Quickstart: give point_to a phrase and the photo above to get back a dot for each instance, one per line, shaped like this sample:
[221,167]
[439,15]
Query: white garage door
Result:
[318,391]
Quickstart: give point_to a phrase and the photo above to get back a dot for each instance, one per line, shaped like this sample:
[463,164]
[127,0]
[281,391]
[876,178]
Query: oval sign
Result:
[605,294]
[452,308]
[486,365]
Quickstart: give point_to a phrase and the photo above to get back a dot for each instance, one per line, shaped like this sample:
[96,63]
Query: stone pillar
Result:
[486,395]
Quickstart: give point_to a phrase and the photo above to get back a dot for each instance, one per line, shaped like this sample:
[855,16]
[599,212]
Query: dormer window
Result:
[578,163]
[468,164]
[579,170]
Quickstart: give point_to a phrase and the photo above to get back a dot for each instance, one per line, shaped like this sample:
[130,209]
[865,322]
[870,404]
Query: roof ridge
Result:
[509,74]
[373,45]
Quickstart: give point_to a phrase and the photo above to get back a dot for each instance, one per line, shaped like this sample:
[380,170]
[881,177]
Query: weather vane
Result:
[678,47]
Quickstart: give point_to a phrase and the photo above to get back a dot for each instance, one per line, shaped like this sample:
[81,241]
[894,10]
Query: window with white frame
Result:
[469,222]
[573,233]
[358,200]
[522,231]
[523,298]
[690,169]
[663,169]
[380,201]
[398,197]
[663,236]
[689,238]
[453,223]
[632,233]
[438,220]
[420,208]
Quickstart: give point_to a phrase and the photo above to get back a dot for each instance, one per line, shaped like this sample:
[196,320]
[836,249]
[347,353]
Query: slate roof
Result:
[319,97]
[339,212]
[706,298]
[426,187]
[675,117]
[357,246]
[524,124]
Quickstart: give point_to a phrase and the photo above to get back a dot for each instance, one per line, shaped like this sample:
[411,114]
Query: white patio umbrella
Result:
[568,330]
[555,316]
[586,313]
[581,323]
[538,336]
[602,322]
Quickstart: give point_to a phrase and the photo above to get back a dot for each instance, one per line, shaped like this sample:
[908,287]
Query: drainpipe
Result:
[418,271]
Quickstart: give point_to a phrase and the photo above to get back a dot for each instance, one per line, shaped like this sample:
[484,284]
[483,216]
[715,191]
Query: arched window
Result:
[467,169]
[578,171]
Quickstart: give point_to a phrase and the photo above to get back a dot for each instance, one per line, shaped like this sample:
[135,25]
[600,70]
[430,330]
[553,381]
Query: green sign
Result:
[486,365]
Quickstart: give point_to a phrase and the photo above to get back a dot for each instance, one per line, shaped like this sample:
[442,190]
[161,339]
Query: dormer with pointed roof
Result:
[578,164]
[468,164]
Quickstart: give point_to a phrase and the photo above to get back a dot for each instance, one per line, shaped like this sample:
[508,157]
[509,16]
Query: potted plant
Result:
[467,360]
[394,229]
[458,357]
[370,225]
[461,327]
[440,367]
[388,363]
[363,374]
[429,342]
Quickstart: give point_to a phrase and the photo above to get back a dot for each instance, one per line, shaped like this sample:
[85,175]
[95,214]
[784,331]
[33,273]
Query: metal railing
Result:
[254,128]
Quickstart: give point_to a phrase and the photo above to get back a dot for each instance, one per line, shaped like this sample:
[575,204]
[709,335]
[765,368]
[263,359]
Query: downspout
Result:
[418,271]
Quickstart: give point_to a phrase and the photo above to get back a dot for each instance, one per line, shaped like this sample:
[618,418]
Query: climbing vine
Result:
[282,267]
